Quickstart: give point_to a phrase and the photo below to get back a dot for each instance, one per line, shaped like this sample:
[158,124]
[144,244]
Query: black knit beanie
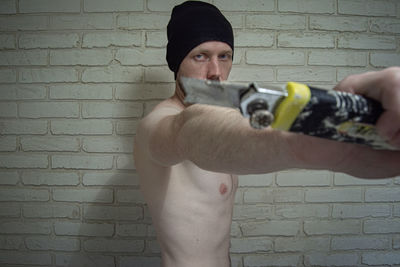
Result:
[191,24]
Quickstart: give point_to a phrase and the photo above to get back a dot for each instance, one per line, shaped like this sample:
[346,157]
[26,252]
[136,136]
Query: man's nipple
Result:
[223,189]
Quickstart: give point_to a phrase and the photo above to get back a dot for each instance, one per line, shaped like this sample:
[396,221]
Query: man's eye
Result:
[225,56]
[199,57]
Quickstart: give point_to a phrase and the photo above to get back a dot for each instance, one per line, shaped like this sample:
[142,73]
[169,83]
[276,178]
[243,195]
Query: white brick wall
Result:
[76,77]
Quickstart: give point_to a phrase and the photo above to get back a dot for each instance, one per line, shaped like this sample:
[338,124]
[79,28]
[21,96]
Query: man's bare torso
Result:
[191,210]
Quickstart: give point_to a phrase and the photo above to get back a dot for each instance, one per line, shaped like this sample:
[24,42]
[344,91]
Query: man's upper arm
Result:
[156,135]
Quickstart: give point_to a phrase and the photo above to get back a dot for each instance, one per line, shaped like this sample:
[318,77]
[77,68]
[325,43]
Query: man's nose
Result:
[214,70]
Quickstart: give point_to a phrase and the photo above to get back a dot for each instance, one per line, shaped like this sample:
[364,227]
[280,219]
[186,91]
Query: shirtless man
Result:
[188,157]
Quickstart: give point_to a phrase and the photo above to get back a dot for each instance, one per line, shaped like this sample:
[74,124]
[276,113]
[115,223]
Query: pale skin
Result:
[188,157]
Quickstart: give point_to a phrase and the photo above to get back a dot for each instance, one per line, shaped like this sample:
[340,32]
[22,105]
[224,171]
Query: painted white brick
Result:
[48,75]
[125,162]
[158,74]
[385,25]
[57,244]
[270,228]
[249,245]
[82,162]
[152,246]
[258,195]
[112,110]
[23,127]
[49,110]
[33,161]
[275,57]
[106,39]
[276,22]
[360,242]
[129,196]
[127,127]
[136,230]
[367,7]
[245,212]
[344,72]
[312,40]
[156,39]
[366,41]
[49,178]
[396,242]
[339,23]
[13,257]
[146,57]
[7,41]
[271,260]
[84,260]
[17,22]
[345,179]
[289,244]
[336,259]
[9,211]
[287,195]
[8,76]
[110,179]
[8,143]
[83,229]
[39,6]
[381,226]
[144,91]
[332,227]
[17,227]
[83,195]
[396,210]
[81,91]
[126,261]
[382,194]
[301,74]
[112,73]
[256,180]
[46,40]
[242,74]
[384,59]
[142,21]
[381,258]
[334,195]
[8,7]
[9,178]
[47,143]
[8,110]
[92,57]
[166,5]
[112,213]
[303,178]
[254,38]
[22,58]
[360,211]
[337,58]
[82,22]
[293,211]
[51,211]
[81,127]
[108,144]
[112,5]
[19,194]
[11,242]
[106,245]
[307,6]
[237,5]
[22,92]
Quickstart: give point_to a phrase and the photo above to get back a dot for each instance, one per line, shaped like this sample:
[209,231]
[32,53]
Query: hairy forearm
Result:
[221,140]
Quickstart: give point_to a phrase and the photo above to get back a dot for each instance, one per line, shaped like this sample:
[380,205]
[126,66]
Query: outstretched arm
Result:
[220,139]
